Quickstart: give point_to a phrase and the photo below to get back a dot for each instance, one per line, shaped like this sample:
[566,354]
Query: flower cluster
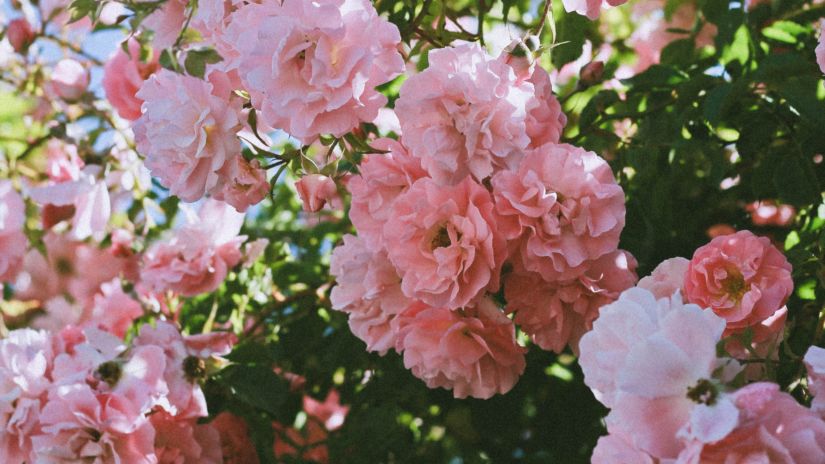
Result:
[79,395]
[478,196]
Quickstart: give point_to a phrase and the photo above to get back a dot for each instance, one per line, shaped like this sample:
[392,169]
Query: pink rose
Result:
[312,67]
[815,364]
[615,449]
[69,79]
[769,213]
[473,352]
[589,8]
[315,191]
[166,22]
[184,441]
[114,311]
[187,134]
[381,179]
[81,425]
[557,314]
[62,161]
[772,427]
[236,445]
[668,278]
[245,184]
[330,412]
[469,113]
[12,239]
[89,198]
[20,34]
[741,277]
[562,206]
[641,358]
[368,290]
[123,75]
[196,257]
[445,242]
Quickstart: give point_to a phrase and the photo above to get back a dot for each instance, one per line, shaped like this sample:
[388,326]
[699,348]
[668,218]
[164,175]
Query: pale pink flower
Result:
[315,191]
[820,48]
[123,75]
[236,445]
[741,277]
[88,196]
[557,314]
[562,206]
[330,412]
[668,278]
[254,250]
[187,134]
[472,352]
[815,363]
[20,34]
[769,213]
[12,239]
[81,425]
[589,8]
[69,267]
[381,179]
[772,427]
[114,311]
[445,242]
[312,67]
[616,448]
[469,113]
[166,22]
[654,31]
[196,257]
[651,361]
[184,441]
[62,161]
[368,290]
[245,184]
[26,358]
[69,79]
[185,367]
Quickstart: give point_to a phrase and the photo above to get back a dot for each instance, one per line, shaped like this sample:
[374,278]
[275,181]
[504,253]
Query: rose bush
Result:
[412,231]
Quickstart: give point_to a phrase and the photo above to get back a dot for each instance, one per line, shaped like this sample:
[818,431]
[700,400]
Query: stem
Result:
[74,48]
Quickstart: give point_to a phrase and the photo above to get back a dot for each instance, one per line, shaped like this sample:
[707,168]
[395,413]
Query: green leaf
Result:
[738,50]
[257,386]
[196,61]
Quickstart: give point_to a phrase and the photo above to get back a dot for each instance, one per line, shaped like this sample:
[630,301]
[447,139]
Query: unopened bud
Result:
[591,73]
[20,34]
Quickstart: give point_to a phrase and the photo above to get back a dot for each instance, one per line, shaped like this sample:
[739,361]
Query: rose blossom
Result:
[368,290]
[88,197]
[12,239]
[69,79]
[380,180]
[196,257]
[315,191]
[667,279]
[236,446]
[123,75]
[769,213]
[589,8]
[820,48]
[616,448]
[558,314]
[81,425]
[312,67]
[741,277]
[651,361]
[563,206]
[815,364]
[445,242]
[330,412]
[184,441]
[246,184]
[469,113]
[772,427]
[186,133]
[63,164]
[166,22]
[472,352]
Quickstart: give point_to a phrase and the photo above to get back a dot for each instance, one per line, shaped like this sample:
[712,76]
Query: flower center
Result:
[441,239]
[109,372]
[734,285]
[704,392]
[194,369]
[64,266]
